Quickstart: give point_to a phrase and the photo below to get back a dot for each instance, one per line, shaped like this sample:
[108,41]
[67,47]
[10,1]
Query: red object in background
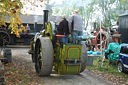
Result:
[3,29]
[116,39]
[60,35]
[96,43]
[117,23]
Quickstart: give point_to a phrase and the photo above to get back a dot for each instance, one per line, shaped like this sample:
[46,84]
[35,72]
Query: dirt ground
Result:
[23,64]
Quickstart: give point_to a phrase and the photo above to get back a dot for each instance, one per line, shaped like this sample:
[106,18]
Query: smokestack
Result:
[45,17]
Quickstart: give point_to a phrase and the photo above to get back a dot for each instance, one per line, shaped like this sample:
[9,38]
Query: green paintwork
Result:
[70,52]
[64,53]
[31,45]
[49,30]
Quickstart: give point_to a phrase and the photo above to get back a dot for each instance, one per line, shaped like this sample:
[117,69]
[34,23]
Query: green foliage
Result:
[109,10]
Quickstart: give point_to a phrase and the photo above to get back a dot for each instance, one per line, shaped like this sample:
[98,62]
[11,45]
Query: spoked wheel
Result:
[120,67]
[5,38]
[84,57]
[103,41]
[43,56]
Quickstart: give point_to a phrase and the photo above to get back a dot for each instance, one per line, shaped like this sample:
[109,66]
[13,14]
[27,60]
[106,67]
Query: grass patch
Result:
[7,68]
[107,68]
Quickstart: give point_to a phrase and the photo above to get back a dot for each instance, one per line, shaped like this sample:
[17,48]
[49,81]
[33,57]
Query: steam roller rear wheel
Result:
[84,57]
[43,56]
[4,38]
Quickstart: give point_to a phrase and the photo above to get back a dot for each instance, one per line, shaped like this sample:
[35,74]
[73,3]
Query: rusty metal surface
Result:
[106,39]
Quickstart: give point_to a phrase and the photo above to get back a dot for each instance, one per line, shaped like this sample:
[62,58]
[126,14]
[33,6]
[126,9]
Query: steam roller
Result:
[49,52]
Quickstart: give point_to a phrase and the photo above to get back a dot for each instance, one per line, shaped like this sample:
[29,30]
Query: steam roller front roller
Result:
[43,56]
[4,38]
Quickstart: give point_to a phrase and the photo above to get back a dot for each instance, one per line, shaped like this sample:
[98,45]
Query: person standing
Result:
[75,26]
[28,28]
[63,29]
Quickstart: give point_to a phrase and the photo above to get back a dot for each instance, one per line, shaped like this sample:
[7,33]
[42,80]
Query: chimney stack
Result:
[45,18]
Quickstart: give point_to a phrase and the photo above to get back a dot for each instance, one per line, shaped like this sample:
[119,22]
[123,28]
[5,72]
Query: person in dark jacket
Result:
[63,29]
